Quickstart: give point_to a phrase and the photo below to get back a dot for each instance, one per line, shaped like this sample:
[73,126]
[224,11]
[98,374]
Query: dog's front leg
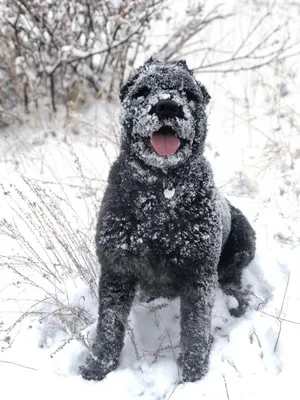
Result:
[116,293]
[197,300]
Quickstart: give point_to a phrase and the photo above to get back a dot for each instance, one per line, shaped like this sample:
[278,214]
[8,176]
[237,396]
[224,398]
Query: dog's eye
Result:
[142,92]
[192,95]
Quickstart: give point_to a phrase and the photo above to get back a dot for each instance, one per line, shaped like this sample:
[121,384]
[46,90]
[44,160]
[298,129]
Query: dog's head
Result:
[163,114]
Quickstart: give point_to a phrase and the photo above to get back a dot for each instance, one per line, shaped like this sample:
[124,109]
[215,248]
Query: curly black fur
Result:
[163,225]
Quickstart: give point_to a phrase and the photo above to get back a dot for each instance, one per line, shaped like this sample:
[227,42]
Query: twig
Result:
[281,319]
[225,383]
[171,394]
[279,316]
[19,365]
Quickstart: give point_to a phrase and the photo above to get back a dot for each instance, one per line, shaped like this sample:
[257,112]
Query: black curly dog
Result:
[163,225]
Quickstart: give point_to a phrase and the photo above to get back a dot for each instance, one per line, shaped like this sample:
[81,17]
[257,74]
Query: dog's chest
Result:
[168,219]
[158,219]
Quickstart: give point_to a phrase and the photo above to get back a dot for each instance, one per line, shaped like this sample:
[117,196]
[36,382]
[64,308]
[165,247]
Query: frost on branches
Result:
[56,47]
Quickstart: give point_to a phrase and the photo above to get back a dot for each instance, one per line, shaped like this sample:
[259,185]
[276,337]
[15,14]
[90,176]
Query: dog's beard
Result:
[165,147]
[148,155]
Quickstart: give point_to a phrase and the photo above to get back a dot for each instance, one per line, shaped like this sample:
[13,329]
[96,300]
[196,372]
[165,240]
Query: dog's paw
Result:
[192,368]
[193,373]
[242,297]
[92,370]
[240,310]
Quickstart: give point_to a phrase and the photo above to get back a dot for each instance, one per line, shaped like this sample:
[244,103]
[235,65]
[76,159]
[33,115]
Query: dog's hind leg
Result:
[237,253]
[116,293]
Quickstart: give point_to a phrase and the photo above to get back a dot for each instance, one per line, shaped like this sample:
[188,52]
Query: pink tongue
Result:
[165,144]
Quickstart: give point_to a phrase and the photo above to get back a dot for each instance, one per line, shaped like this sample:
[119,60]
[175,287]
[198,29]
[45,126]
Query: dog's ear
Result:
[149,61]
[183,64]
[124,89]
[205,94]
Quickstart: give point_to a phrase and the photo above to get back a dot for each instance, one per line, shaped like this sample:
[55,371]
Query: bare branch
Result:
[185,33]
[19,365]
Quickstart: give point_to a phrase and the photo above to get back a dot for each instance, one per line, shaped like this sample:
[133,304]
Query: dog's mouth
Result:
[164,141]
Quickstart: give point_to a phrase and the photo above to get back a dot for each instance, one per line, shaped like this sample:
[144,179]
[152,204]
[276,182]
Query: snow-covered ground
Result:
[52,176]
[251,358]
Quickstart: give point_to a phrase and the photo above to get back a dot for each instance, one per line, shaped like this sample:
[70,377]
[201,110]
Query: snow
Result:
[242,363]
[254,357]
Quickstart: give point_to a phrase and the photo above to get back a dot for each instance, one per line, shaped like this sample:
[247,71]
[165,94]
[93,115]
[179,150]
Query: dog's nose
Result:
[168,109]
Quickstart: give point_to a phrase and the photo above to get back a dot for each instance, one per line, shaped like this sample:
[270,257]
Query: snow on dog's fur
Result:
[163,225]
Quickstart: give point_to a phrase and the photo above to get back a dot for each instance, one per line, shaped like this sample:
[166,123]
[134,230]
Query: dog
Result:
[163,227]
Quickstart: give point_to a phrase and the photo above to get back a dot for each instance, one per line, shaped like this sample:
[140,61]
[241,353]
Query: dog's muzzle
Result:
[164,141]
[167,109]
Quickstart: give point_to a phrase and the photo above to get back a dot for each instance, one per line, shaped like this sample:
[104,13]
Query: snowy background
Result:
[53,169]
